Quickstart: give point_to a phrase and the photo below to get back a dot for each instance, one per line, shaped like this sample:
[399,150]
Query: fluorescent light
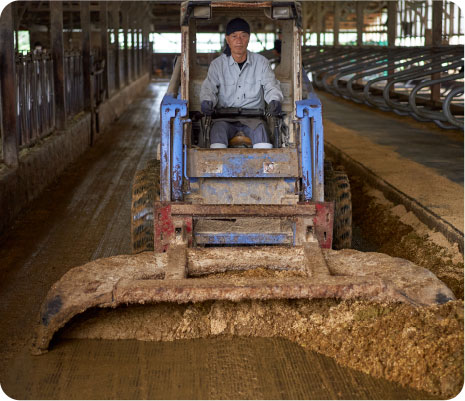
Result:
[282,12]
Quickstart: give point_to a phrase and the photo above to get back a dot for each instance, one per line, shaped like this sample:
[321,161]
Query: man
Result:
[241,79]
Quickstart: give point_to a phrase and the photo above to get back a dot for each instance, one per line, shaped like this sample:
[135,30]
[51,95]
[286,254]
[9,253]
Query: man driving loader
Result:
[244,80]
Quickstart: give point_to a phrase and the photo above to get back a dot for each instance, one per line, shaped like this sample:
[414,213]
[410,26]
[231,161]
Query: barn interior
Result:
[84,86]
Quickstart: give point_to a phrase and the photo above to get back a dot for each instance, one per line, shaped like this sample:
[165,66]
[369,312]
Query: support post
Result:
[392,27]
[115,17]
[146,51]
[85,46]
[56,37]
[437,23]
[360,22]
[437,41]
[104,44]
[304,21]
[392,23]
[126,50]
[134,46]
[337,20]
[318,22]
[8,88]
[138,51]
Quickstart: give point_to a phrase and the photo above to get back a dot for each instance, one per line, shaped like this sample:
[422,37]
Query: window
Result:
[261,41]
[24,44]
[166,42]
[209,42]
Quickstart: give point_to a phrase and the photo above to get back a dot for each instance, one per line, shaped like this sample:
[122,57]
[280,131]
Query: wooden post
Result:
[145,45]
[85,46]
[360,22]
[56,45]
[126,50]
[437,23]
[8,88]
[318,23]
[142,41]
[337,20]
[138,51]
[104,43]
[392,27]
[134,48]
[392,23]
[115,17]
[304,12]
[437,41]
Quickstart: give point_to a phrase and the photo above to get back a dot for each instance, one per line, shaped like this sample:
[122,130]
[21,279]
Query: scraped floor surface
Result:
[85,215]
[238,368]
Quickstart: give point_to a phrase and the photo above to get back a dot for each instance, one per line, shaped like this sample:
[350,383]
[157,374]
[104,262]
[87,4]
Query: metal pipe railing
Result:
[398,79]
[439,117]
[459,90]
[35,97]
[74,83]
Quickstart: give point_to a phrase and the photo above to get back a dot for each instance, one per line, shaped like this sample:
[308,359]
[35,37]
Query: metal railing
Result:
[122,81]
[74,83]
[97,69]
[111,71]
[35,94]
[97,82]
[35,97]
[420,82]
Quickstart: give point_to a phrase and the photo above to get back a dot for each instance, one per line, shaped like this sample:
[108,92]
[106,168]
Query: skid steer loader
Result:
[200,211]
[240,196]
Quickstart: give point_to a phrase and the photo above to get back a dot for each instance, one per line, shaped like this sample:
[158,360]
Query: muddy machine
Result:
[241,196]
[198,213]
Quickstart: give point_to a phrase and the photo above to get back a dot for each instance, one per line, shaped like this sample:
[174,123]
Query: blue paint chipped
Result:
[311,137]
[177,164]
[251,164]
[442,299]
[50,309]
[243,238]
[171,108]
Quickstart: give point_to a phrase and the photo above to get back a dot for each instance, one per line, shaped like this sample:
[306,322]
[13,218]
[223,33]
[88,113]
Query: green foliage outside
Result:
[24,44]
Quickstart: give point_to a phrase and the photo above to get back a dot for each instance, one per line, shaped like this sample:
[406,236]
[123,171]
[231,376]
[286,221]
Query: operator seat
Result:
[240,141]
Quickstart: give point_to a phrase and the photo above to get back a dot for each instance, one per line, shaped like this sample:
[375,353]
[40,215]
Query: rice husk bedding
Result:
[418,347]
[399,233]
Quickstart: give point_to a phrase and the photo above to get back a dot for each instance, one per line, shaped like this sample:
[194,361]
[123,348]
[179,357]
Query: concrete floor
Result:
[86,215]
[426,145]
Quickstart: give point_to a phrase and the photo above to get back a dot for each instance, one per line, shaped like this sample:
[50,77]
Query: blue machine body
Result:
[242,176]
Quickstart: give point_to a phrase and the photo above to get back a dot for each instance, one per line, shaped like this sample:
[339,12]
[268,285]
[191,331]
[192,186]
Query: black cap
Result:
[237,24]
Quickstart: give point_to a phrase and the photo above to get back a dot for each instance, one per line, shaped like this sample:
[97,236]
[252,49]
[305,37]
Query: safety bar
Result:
[237,111]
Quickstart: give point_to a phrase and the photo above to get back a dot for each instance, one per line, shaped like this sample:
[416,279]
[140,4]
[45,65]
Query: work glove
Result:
[207,107]
[274,108]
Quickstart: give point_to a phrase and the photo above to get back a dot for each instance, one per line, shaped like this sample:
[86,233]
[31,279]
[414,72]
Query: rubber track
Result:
[145,191]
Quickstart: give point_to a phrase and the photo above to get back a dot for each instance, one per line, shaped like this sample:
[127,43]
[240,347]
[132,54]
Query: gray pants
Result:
[223,131]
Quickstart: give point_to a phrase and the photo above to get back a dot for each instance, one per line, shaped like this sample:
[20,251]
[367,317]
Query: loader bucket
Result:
[184,275]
